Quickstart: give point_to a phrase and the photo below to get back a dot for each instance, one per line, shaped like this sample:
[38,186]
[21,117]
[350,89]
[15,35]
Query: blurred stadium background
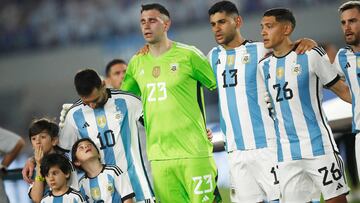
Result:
[44,42]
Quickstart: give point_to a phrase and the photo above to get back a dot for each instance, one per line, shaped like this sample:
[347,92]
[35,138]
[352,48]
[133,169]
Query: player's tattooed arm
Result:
[304,44]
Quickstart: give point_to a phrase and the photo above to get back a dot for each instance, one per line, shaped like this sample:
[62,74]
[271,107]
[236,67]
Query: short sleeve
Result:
[322,67]
[202,70]
[69,133]
[123,185]
[8,140]
[129,83]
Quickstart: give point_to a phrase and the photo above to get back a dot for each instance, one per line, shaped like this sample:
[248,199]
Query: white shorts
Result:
[357,152]
[299,177]
[253,175]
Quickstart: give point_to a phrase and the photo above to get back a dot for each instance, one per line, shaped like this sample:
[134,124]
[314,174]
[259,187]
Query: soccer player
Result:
[101,183]
[10,146]
[56,169]
[115,71]
[109,117]
[244,117]
[43,135]
[169,77]
[347,61]
[307,152]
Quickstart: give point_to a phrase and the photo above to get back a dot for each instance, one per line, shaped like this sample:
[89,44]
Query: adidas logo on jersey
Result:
[205,199]
[339,186]
[85,125]
[347,65]
[218,62]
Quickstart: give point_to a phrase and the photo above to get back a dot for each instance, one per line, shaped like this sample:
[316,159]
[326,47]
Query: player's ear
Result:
[167,24]
[67,176]
[238,21]
[76,163]
[288,29]
[55,141]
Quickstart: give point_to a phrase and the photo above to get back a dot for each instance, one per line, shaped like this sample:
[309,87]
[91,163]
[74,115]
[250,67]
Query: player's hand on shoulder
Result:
[64,110]
[269,104]
[209,134]
[143,50]
[304,44]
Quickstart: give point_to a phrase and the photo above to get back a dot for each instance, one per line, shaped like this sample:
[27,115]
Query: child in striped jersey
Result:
[56,169]
[101,183]
[43,135]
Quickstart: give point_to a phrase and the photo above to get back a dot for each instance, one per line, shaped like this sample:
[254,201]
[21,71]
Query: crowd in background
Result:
[50,23]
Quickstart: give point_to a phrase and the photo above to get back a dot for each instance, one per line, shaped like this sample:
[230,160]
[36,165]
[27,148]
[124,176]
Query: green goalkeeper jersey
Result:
[172,96]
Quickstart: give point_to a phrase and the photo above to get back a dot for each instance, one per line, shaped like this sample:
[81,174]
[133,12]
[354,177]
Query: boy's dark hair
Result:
[75,146]
[52,160]
[43,125]
[349,5]
[155,6]
[223,6]
[282,15]
[111,63]
[86,81]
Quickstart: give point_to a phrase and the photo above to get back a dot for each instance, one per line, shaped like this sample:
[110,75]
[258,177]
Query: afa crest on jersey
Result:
[101,121]
[246,58]
[95,193]
[110,187]
[174,67]
[156,71]
[296,70]
[279,72]
[119,116]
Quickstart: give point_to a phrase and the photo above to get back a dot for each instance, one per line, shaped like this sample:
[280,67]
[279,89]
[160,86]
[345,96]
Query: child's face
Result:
[85,151]
[56,179]
[44,141]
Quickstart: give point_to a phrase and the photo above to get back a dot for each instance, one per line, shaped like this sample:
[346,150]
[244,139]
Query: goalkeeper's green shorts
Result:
[185,180]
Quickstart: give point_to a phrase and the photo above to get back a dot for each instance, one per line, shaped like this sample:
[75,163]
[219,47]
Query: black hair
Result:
[43,125]
[52,160]
[86,81]
[111,63]
[282,15]
[223,6]
[155,6]
[349,5]
[75,146]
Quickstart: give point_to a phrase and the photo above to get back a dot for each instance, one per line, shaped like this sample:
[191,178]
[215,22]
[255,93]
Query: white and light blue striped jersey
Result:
[114,130]
[295,84]
[111,185]
[348,63]
[71,196]
[244,118]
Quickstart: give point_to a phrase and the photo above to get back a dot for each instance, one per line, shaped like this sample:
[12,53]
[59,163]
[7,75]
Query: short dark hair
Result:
[75,146]
[223,6]
[43,125]
[349,5]
[155,6]
[52,160]
[86,81]
[111,63]
[282,15]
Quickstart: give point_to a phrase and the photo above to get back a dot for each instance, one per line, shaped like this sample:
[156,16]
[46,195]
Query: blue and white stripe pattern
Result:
[114,130]
[244,118]
[295,84]
[348,63]
[71,195]
[111,185]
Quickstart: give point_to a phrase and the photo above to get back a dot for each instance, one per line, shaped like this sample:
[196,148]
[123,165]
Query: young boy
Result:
[43,135]
[106,183]
[56,169]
